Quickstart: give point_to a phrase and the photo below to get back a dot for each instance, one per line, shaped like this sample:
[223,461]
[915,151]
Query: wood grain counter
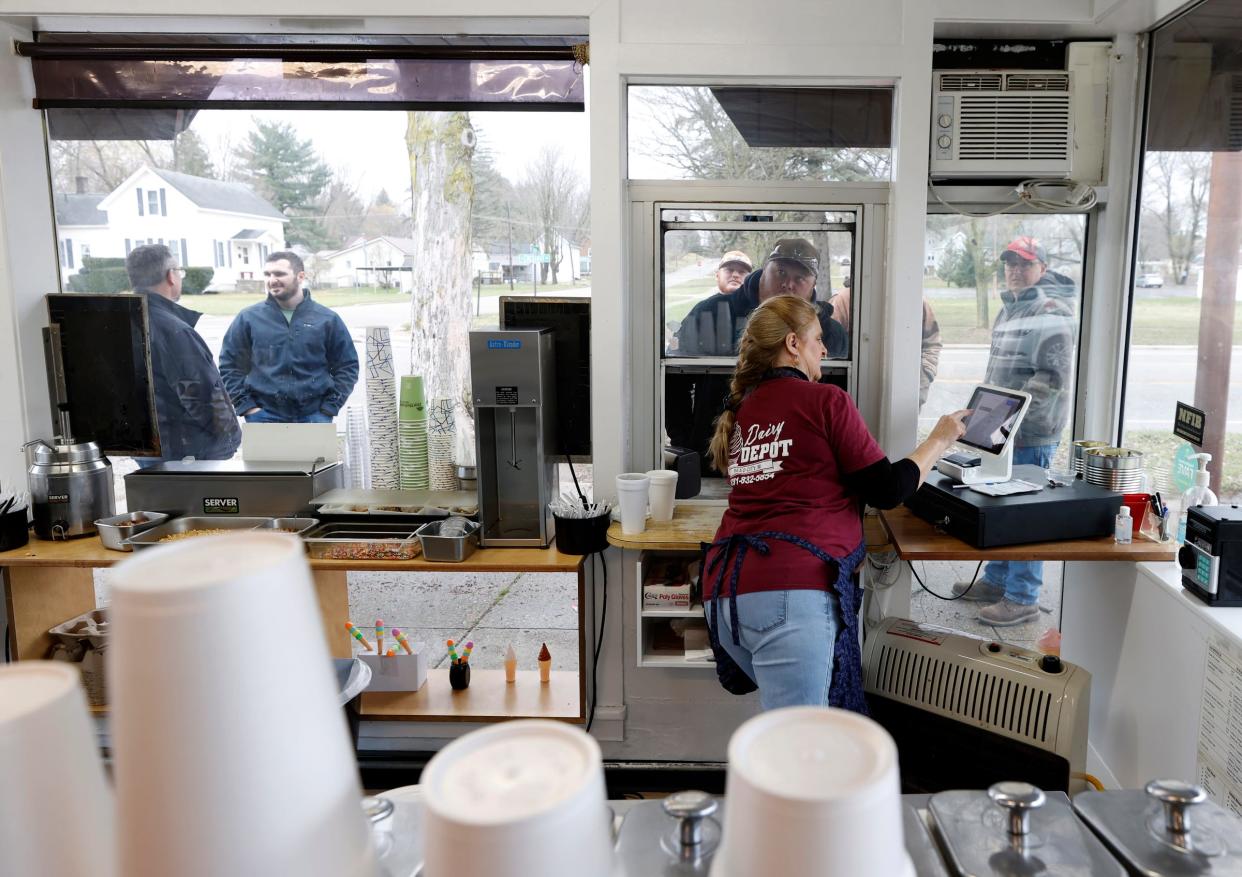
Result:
[916,539]
[692,523]
[488,699]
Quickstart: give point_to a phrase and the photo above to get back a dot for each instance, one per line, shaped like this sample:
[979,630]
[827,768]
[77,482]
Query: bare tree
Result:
[548,193]
[1179,181]
[440,148]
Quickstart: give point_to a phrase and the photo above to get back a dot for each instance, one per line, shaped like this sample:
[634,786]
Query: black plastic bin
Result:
[582,535]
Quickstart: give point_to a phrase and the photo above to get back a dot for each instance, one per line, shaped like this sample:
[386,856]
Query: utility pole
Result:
[509,223]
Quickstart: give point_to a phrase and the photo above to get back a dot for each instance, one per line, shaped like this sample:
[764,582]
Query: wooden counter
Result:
[488,699]
[916,539]
[692,523]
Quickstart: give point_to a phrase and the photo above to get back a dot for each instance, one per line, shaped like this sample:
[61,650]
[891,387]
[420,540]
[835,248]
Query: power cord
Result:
[599,636]
[973,580]
[1079,198]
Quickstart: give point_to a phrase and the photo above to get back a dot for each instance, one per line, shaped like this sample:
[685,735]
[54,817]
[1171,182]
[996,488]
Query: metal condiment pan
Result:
[151,537]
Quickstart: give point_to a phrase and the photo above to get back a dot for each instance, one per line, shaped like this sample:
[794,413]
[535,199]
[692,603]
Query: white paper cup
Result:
[812,790]
[56,810]
[632,492]
[663,493]
[518,799]
[231,752]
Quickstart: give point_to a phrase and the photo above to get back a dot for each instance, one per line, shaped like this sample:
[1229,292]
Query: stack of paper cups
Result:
[633,489]
[381,408]
[231,752]
[56,811]
[518,799]
[663,493]
[441,438]
[812,790]
[412,433]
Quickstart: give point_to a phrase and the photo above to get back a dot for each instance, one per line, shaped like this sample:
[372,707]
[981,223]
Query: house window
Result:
[185,253]
[219,251]
[66,253]
[86,250]
[244,252]
[128,246]
[153,202]
[163,204]
[139,191]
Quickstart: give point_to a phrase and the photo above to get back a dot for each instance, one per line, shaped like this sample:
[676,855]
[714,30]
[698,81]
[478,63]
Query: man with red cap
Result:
[1032,350]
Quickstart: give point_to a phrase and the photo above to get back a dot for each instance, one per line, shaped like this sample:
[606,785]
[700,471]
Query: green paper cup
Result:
[411,400]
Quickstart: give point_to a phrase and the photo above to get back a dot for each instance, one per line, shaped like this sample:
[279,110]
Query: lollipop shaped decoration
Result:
[459,669]
[402,640]
[357,634]
[379,634]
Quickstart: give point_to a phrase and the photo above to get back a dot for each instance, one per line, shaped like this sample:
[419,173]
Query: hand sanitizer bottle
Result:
[1123,530]
[1198,494]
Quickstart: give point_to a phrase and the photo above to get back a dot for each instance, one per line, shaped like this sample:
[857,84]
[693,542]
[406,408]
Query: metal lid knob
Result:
[691,808]
[1176,797]
[1018,799]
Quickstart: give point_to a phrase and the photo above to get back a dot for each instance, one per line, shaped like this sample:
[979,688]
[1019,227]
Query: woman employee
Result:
[779,574]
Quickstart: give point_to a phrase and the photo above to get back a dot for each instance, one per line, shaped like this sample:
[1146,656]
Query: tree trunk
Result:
[440,147]
[1220,281]
[978,257]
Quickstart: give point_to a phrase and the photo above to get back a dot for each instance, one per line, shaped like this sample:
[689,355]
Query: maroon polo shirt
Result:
[793,443]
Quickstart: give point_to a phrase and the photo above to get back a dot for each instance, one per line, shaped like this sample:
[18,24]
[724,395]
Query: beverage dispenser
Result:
[512,378]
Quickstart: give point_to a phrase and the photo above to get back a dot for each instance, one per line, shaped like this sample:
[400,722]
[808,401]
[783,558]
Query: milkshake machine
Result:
[514,391]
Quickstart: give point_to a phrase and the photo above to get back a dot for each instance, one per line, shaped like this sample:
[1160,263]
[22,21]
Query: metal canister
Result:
[70,488]
[1119,469]
[1080,448]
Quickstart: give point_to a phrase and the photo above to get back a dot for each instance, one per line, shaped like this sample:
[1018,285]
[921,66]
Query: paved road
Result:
[1159,376]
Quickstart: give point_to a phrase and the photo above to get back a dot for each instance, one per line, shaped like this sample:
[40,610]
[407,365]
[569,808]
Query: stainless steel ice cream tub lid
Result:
[1113,458]
[1170,828]
[1014,828]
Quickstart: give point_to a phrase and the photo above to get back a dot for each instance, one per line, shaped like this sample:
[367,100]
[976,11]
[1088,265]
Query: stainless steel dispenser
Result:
[512,376]
[70,487]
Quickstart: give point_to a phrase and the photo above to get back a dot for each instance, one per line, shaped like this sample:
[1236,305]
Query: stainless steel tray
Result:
[448,549]
[116,530]
[178,526]
[296,526]
[355,540]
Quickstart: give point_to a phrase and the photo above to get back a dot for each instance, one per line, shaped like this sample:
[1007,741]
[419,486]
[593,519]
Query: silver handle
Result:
[1176,797]
[691,808]
[1018,800]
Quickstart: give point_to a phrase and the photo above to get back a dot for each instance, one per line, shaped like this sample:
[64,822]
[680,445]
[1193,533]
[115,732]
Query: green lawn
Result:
[229,303]
[1156,321]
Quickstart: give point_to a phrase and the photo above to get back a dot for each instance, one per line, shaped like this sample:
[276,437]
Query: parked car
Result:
[1149,280]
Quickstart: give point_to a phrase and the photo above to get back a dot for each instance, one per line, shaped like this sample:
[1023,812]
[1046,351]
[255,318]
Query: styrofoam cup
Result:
[515,800]
[663,493]
[231,751]
[632,493]
[56,810]
[812,790]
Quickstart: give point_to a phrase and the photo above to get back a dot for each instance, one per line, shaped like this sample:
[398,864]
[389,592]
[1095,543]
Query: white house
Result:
[381,261]
[206,223]
[81,229]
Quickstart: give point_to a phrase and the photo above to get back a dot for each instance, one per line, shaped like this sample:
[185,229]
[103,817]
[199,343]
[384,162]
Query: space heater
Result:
[967,713]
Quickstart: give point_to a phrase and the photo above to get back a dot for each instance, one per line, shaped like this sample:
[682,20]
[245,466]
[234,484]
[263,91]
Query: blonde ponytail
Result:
[758,352]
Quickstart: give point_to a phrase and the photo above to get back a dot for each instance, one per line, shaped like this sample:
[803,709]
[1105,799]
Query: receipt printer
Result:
[1211,557]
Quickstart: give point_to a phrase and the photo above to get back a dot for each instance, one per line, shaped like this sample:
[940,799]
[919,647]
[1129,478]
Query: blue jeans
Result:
[1021,579]
[787,638]
[262,416]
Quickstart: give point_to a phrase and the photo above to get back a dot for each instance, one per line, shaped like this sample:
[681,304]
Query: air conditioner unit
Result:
[967,712]
[1022,123]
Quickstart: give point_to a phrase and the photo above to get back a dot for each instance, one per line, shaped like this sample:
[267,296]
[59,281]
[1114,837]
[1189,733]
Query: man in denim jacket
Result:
[191,405]
[288,359]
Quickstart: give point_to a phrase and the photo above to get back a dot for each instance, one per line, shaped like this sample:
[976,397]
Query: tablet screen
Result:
[994,413]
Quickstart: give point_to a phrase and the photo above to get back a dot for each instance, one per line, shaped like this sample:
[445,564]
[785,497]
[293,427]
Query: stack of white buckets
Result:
[231,756]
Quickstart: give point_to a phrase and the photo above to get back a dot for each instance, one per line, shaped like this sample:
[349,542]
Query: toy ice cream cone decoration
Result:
[510,664]
[545,664]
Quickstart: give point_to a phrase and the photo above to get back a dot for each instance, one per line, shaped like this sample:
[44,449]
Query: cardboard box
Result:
[658,596]
[401,672]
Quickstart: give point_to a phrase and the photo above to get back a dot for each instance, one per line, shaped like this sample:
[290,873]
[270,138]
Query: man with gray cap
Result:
[691,406]
[196,418]
[708,329]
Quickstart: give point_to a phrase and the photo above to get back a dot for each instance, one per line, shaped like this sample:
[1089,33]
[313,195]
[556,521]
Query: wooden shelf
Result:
[693,523]
[89,552]
[488,699]
[915,539]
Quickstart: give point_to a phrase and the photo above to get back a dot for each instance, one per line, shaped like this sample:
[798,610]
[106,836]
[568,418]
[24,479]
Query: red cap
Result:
[1027,248]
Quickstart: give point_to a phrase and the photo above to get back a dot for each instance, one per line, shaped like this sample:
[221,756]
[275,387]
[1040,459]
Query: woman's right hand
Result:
[949,428]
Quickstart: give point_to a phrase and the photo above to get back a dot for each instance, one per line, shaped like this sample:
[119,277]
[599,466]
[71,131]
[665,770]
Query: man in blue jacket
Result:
[195,416]
[288,359]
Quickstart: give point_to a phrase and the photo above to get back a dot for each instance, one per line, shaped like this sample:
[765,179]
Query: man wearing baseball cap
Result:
[732,270]
[713,327]
[1032,350]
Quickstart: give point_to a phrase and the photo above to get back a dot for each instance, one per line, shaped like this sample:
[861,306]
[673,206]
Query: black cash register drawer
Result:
[1077,511]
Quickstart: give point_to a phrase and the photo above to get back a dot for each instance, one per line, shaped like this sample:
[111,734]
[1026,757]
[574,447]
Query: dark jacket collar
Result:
[181,312]
[306,296]
[784,371]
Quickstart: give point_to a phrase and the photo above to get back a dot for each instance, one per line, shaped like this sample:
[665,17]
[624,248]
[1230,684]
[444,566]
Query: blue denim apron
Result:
[846,689]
